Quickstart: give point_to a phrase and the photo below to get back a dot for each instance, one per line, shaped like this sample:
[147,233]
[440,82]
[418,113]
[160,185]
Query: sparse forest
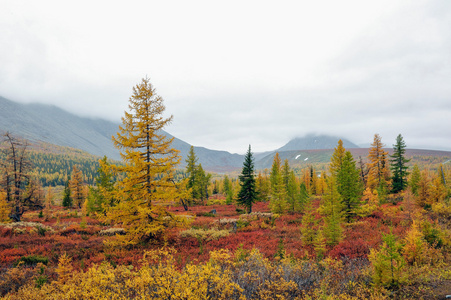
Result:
[73,226]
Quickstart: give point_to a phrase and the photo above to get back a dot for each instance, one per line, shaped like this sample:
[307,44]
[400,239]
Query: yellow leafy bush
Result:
[442,208]
[64,269]
[226,275]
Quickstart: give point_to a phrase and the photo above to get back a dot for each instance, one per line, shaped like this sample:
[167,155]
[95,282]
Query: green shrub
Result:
[41,230]
[32,260]
[240,211]
[205,214]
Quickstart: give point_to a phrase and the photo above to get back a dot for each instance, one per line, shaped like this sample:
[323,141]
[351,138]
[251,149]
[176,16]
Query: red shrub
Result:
[8,256]
[5,231]
[359,248]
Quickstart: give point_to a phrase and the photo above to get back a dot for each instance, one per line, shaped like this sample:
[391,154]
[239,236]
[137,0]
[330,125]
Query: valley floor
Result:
[256,256]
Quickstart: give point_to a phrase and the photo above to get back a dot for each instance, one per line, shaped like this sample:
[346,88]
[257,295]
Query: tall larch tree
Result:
[313,180]
[294,203]
[227,189]
[291,188]
[285,170]
[76,185]
[439,191]
[337,158]
[424,189]
[201,183]
[304,196]
[149,163]
[102,195]
[378,175]
[398,165]
[248,193]
[278,193]
[349,186]
[332,210]
[263,186]
[305,178]
[321,183]
[191,168]
[415,178]
[309,223]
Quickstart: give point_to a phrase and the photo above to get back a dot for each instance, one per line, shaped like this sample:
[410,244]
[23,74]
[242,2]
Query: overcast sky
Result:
[235,73]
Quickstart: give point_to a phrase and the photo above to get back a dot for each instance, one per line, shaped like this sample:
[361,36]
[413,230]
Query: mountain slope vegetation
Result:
[50,124]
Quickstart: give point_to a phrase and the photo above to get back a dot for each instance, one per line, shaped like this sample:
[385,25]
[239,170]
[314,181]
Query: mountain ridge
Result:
[53,125]
[48,123]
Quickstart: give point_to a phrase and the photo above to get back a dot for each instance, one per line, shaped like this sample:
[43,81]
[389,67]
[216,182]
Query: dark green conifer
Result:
[399,165]
[191,170]
[247,195]
[67,199]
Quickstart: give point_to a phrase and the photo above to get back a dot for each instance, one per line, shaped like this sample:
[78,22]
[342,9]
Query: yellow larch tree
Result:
[337,158]
[278,193]
[149,162]
[76,186]
[5,208]
[306,179]
[321,184]
[379,174]
[64,269]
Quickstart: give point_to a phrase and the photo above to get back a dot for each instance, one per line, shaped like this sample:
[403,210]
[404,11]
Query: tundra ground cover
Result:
[265,255]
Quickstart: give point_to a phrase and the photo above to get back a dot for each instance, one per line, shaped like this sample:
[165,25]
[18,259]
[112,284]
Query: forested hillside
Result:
[52,165]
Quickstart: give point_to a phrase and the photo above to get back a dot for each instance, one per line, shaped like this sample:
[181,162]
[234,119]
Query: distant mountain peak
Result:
[315,142]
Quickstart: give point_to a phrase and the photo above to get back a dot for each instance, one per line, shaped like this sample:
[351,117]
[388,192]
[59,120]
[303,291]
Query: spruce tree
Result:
[248,194]
[398,165]
[67,199]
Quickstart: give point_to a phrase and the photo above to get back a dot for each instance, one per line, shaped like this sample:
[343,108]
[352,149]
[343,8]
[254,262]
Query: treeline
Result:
[55,169]
[378,177]
[52,169]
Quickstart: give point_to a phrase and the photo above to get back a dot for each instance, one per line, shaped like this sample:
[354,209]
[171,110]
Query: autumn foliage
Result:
[346,231]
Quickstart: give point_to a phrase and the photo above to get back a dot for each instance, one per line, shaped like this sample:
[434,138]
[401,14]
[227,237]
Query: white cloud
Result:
[236,73]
